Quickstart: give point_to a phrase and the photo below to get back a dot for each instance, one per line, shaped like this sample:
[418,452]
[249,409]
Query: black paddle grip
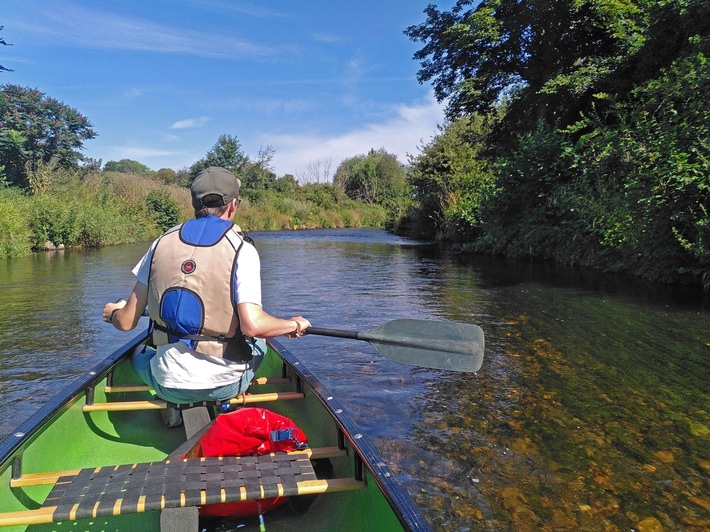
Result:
[337,333]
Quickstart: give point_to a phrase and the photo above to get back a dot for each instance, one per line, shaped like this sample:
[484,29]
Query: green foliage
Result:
[375,178]
[449,179]
[286,184]
[311,206]
[127,166]
[15,235]
[631,196]
[165,209]
[542,55]
[257,176]
[648,191]
[168,176]
[324,195]
[36,129]
[227,153]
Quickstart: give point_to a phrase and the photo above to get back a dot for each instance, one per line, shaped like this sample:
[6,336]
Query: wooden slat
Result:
[308,487]
[157,404]
[36,479]
[128,388]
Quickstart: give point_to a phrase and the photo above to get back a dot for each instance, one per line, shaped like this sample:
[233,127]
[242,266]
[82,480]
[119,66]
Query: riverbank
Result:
[109,208]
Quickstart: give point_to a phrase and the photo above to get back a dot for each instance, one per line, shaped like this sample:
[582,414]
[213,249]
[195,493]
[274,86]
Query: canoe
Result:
[97,456]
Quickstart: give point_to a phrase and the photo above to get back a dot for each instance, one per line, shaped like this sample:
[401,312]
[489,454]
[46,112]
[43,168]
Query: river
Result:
[591,410]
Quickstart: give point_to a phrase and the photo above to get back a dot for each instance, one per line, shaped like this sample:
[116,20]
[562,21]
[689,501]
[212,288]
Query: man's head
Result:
[213,189]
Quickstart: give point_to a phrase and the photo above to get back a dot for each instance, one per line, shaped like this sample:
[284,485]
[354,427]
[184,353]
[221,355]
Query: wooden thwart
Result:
[157,404]
[128,388]
[117,490]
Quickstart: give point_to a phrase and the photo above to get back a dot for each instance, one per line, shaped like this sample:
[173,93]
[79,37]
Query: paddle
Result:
[431,344]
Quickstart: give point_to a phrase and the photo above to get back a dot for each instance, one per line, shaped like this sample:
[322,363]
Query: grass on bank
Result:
[111,208]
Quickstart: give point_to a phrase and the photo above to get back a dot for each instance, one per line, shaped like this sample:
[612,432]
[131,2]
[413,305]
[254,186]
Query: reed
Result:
[109,208]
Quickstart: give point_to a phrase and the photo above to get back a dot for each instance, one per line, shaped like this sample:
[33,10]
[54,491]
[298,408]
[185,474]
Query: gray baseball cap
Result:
[214,187]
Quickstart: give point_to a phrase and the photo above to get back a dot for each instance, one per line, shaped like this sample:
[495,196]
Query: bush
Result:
[15,235]
[165,210]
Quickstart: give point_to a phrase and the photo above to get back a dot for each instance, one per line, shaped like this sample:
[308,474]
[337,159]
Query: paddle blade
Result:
[432,344]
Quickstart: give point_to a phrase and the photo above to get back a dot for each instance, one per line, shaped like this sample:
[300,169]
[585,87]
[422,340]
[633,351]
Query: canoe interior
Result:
[72,439]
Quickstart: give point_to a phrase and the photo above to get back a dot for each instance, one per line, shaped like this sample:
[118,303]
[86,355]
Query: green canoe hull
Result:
[63,437]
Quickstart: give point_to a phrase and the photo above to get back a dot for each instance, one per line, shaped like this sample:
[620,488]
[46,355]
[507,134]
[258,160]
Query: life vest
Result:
[192,272]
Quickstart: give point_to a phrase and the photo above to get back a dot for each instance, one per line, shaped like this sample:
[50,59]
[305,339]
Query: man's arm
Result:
[124,315]
[254,321]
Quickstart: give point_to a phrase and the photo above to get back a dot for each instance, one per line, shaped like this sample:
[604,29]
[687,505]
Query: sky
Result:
[317,81]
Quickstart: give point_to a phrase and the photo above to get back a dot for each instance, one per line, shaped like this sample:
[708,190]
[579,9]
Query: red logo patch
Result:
[188,266]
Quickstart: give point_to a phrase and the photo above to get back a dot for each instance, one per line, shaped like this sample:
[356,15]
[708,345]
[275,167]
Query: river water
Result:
[591,410]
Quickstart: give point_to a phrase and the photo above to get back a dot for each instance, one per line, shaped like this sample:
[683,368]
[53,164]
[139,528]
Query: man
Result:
[201,283]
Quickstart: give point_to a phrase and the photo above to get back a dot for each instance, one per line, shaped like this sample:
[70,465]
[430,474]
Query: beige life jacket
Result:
[191,294]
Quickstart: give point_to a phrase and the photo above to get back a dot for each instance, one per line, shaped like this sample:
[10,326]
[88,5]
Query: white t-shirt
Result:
[176,365]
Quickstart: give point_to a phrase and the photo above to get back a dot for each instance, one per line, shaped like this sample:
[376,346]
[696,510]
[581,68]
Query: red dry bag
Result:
[247,432]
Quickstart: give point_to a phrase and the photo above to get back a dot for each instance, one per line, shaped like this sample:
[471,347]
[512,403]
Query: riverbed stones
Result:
[665,456]
[649,524]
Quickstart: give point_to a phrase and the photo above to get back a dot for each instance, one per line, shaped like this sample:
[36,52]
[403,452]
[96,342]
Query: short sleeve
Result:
[142,269]
[248,275]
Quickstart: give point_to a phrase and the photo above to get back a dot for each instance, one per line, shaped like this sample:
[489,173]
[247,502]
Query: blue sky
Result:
[319,81]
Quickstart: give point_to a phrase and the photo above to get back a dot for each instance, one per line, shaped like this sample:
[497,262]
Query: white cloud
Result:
[190,123]
[403,134]
[91,28]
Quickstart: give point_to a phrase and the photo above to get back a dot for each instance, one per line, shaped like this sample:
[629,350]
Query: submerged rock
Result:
[649,524]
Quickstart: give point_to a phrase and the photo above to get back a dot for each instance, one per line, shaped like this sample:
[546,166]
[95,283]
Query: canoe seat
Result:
[117,490]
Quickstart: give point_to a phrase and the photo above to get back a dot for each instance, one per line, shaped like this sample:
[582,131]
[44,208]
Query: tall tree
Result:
[539,54]
[37,129]
[227,153]
[377,177]
[450,178]
[127,166]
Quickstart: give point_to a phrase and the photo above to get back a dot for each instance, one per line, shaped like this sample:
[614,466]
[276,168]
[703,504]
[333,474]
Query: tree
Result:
[542,55]
[286,184]
[377,177]
[127,166]
[450,178]
[226,153]
[4,43]
[317,172]
[258,174]
[36,129]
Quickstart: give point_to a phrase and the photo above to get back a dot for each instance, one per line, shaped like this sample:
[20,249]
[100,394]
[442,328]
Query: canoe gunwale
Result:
[13,443]
[407,511]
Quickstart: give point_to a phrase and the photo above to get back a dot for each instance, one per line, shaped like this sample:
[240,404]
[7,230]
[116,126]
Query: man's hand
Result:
[110,308]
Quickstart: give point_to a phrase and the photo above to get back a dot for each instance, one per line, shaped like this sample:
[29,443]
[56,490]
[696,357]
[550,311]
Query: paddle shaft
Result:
[336,333]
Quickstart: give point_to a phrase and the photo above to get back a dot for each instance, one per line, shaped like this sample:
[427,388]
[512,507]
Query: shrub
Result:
[15,235]
[165,209]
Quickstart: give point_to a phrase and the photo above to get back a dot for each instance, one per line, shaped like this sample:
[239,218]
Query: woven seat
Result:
[116,490]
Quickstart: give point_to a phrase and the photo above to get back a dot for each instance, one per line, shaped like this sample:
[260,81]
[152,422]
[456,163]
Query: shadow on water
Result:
[590,412]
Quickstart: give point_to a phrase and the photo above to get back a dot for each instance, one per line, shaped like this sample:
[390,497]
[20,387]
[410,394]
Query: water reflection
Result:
[590,411]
